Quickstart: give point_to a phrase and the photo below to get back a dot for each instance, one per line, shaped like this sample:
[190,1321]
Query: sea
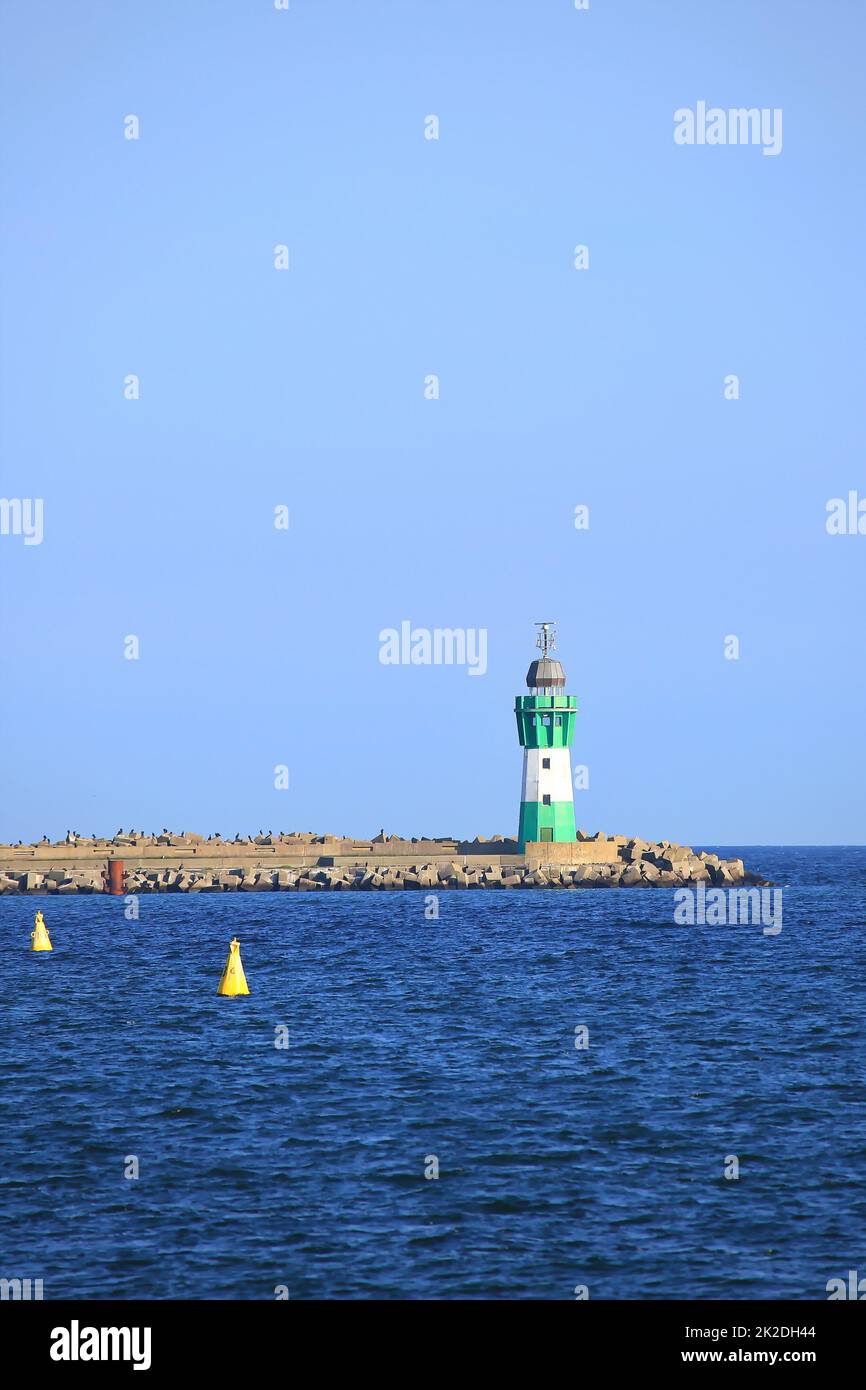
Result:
[482,1094]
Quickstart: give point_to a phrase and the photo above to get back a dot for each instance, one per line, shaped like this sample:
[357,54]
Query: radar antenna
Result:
[546,638]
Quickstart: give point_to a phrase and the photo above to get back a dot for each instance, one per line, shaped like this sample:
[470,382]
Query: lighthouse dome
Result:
[545,674]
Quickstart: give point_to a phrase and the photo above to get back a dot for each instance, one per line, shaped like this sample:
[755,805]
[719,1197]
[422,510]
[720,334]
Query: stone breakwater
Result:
[309,863]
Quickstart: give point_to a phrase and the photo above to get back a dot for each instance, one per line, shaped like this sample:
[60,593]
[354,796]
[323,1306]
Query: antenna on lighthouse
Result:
[546,638]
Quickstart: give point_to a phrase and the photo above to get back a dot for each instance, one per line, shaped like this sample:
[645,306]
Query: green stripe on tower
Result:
[540,822]
[545,721]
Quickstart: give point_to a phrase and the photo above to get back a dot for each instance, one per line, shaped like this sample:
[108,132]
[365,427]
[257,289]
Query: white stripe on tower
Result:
[554,780]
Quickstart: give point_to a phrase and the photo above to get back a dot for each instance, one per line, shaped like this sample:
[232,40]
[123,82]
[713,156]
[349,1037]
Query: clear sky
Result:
[305,388]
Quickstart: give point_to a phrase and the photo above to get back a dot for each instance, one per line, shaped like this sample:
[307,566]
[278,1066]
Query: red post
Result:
[115,877]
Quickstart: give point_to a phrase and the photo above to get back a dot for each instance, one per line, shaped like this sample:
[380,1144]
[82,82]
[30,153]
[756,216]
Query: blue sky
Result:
[305,387]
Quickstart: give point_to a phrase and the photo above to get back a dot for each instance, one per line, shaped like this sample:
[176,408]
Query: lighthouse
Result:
[545,727]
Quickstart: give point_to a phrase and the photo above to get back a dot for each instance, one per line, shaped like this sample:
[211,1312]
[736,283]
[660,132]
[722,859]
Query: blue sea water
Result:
[409,1038]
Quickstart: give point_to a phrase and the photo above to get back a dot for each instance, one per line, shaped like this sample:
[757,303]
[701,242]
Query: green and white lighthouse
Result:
[545,726]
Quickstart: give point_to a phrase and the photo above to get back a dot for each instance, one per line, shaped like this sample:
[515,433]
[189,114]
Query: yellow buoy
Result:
[39,935]
[233,980]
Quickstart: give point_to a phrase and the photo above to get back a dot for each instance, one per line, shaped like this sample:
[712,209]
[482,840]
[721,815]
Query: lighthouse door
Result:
[546,832]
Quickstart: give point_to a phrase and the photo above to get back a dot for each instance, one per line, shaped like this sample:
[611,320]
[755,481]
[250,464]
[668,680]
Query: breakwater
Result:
[304,862]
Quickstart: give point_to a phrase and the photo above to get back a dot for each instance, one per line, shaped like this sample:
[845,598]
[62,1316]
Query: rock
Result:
[665,863]
[201,882]
[694,869]
[90,882]
[672,856]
